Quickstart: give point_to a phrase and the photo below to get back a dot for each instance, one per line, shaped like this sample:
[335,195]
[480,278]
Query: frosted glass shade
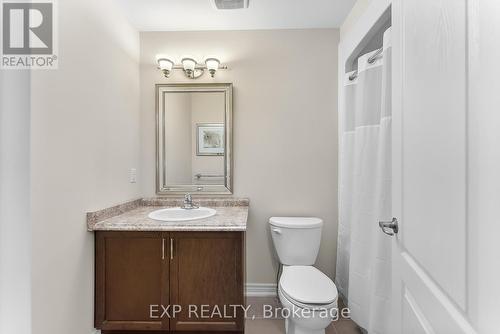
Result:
[165,64]
[189,64]
[212,64]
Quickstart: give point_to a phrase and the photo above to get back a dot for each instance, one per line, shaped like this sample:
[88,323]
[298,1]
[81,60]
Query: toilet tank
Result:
[296,239]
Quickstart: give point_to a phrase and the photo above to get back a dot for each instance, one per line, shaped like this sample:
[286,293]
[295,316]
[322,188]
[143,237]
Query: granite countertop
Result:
[231,215]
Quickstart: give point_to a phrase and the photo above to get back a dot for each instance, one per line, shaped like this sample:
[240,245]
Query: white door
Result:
[430,152]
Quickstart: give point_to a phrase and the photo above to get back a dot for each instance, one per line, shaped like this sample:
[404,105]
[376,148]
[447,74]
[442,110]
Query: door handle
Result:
[389,228]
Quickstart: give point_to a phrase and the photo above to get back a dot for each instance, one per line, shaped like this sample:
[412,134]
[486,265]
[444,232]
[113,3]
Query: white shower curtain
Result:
[364,252]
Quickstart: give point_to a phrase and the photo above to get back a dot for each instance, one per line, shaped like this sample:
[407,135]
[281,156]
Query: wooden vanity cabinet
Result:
[207,269]
[134,270]
[130,274]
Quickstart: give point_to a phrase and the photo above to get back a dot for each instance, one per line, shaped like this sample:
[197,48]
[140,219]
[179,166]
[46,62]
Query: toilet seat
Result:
[307,287]
[307,306]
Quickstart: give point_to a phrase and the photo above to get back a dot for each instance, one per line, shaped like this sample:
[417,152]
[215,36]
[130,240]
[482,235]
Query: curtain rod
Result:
[372,58]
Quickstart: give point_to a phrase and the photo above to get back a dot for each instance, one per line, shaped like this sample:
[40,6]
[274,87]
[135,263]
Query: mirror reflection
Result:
[193,131]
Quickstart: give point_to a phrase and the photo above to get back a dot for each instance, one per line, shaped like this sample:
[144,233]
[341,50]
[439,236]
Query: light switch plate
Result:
[132,175]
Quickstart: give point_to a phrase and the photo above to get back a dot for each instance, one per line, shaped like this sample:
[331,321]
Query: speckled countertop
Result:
[231,215]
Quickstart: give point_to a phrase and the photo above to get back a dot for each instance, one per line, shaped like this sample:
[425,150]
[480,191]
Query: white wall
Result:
[285,126]
[15,237]
[84,138]
[354,15]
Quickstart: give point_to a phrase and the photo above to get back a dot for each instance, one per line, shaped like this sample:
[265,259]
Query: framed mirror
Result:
[194,138]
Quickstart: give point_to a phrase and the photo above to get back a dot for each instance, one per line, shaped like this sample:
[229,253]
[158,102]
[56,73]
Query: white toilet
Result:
[308,295]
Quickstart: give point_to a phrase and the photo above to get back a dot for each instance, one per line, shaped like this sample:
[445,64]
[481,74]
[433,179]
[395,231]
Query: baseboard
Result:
[260,290]
[95,331]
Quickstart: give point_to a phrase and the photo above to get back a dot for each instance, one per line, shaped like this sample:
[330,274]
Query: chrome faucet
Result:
[188,203]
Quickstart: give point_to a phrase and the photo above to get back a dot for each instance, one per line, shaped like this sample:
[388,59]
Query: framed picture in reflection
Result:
[209,139]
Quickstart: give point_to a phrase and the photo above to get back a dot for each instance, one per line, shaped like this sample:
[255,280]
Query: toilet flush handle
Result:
[276,230]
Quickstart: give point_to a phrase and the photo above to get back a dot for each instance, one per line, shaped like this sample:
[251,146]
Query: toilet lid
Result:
[308,285]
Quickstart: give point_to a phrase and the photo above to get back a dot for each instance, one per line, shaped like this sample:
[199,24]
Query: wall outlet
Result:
[132,175]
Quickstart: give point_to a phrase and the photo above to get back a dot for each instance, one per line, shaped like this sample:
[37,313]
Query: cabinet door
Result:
[206,271]
[131,268]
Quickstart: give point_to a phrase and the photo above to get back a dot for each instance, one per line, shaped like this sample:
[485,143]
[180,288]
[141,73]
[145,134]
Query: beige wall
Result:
[285,126]
[207,108]
[84,138]
[15,225]
[178,138]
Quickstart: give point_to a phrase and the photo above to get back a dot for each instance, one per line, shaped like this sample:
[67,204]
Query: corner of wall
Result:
[353,16]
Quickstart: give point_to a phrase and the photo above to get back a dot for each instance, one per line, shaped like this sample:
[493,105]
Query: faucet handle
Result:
[188,202]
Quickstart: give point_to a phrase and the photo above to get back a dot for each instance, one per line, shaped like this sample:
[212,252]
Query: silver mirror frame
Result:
[161,187]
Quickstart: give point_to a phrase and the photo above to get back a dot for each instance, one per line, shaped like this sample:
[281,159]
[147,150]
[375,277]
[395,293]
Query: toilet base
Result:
[292,328]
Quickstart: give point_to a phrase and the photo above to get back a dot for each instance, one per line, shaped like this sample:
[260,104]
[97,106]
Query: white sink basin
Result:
[180,214]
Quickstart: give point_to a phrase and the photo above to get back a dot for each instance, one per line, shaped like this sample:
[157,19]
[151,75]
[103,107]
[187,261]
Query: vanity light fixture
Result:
[192,69]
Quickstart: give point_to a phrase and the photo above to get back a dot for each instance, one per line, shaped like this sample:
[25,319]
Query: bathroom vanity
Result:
[162,276]
[161,268]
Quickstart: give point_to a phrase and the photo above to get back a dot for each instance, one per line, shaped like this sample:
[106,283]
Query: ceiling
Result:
[179,15]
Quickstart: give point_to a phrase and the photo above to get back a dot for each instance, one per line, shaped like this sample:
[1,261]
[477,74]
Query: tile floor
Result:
[256,324]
